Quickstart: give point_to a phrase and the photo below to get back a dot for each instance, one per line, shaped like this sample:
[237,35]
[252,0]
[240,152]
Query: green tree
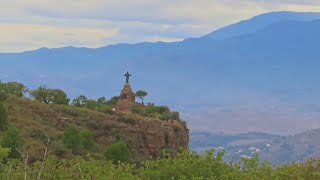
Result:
[113,101]
[42,94]
[80,101]
[141,94]
[72,138]
[118,151]
[16,88]
[101,100]
[13,140]
[90,104]
[87,140]
[58,96]
[3,117]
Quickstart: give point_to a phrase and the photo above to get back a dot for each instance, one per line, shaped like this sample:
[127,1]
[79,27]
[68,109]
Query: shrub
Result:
[165,116]
[14,141]
[3,117]
[72,138]
[118,151]
[87,140]
[105,108]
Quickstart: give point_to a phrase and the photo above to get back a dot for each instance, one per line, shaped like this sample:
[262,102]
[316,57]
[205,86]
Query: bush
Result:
[87,140]
[165,116]
[118,151]
[72,139]
[105,108]
[14,141]
[3,117]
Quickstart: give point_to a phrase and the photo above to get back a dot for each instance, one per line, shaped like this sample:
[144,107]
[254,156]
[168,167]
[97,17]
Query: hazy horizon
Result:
[35,24]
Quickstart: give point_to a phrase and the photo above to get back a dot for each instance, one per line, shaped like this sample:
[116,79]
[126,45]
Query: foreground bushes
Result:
[186,165]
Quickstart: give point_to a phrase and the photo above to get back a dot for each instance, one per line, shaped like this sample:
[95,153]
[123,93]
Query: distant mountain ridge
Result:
[260,22]
[264,79]
[273,148]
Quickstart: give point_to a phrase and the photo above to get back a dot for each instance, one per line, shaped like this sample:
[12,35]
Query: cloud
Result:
[127,21]
[15,37]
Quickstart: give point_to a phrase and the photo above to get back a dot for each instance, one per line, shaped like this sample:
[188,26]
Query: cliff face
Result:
[146,137]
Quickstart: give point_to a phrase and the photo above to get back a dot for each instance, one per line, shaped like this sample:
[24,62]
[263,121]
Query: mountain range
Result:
[259,74]
[276,149]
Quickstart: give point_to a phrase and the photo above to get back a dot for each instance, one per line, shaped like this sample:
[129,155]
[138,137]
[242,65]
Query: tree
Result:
[113,101]
[118,151]
[3,118]
[58,96]
[87,140]
[42,94]
[80,101]
[14,141]
[48,95]
[72,138]
[90,104]
[16,88]
[141,94]
[101,100]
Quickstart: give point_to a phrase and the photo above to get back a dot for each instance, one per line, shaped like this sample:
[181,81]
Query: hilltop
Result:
[146,137]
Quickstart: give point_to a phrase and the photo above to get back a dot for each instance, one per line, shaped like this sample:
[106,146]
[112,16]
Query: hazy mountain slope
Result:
[201,141]
[264,81]
[259,22]
[299,147]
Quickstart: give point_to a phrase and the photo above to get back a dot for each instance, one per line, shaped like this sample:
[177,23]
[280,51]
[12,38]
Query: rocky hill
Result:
[146,137]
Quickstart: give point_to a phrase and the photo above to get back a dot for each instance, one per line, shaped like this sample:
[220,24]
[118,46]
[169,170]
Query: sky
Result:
[31,24]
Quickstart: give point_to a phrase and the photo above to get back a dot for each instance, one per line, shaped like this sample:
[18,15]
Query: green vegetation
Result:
[13,140]
[49,96]
[87,140]
[43,117]
[3,118]
[4,153]
[161,112]
[186,165]
[141,94]
[74,139]
[118,151]
[101,104]
[14,88]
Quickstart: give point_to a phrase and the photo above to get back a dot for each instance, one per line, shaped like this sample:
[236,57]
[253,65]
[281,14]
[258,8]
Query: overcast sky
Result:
[31,24]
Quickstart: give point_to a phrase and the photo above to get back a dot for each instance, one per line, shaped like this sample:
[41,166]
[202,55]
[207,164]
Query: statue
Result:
[127,75]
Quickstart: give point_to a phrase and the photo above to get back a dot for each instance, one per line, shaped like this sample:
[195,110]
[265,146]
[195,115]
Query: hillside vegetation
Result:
[74,130]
